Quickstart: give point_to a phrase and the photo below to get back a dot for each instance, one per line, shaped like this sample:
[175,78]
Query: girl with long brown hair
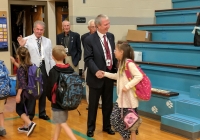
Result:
[22,81]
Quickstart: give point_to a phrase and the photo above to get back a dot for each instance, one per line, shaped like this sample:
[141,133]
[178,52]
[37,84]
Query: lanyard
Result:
[107,51]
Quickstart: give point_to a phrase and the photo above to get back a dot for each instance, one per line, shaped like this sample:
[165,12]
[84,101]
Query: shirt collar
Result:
[100,34]
[36,37]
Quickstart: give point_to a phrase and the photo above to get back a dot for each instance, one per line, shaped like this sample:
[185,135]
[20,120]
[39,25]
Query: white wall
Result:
[123,14]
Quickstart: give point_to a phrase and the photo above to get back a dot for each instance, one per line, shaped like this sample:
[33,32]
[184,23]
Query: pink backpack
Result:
[143,88]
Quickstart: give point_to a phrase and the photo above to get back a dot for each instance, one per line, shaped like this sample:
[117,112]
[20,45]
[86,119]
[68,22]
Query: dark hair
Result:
[128,53]
[24,57]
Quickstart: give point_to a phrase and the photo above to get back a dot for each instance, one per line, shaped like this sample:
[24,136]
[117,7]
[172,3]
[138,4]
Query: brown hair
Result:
[128,53]
[24,56]
[59,53]
[25,59]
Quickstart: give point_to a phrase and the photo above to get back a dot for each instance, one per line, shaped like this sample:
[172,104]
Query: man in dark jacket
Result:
[72,43]
[98,56]
[92,28]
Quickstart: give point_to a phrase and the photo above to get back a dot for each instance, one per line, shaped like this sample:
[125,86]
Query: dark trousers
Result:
[42,100]
[21,107]
[106,92]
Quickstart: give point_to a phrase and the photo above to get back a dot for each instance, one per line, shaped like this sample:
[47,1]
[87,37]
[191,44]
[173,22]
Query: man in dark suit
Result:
[92,29]
[99,55]
[72,43]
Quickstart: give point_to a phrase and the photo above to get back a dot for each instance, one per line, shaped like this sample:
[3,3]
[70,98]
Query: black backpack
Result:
[69,91]
[197,32]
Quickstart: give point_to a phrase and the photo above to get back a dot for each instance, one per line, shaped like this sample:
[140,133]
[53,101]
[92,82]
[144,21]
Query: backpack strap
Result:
[128,73]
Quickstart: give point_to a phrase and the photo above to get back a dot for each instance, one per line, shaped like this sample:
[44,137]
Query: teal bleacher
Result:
[173,64]
[180,32]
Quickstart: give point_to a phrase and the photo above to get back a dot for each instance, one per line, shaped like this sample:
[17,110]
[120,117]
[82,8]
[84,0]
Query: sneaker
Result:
[22,129]
[31,128]
[3,132]
[137,132]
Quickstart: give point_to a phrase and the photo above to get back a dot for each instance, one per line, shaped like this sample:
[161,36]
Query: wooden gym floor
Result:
[149,130]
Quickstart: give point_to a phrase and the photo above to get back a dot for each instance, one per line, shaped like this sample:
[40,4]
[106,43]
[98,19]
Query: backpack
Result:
[34,87]
[131,120]
[69,91]
[143,88]
[4,81]
[197,32]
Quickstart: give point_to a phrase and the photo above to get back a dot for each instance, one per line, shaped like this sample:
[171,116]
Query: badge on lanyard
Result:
[41,59]
[66,50]
[108,62]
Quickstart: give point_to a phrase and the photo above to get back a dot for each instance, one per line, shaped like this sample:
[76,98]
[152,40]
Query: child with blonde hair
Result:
[59,115]
[126,98]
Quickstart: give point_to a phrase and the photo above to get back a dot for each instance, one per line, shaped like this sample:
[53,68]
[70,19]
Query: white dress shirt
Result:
[102,44]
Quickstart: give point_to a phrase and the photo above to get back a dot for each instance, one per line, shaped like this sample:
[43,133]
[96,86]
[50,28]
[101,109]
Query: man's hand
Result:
[99,74]
[21,41]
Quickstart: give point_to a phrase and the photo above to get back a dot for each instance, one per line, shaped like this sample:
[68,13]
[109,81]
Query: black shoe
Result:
[109,131]
[90,133]
[31,128]
[100,106]
[44,117]
[137,132]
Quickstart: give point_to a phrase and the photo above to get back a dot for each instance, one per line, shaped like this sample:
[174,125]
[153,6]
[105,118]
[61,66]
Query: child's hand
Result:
[18,98]
[124,89]
[12,59]
[103,73]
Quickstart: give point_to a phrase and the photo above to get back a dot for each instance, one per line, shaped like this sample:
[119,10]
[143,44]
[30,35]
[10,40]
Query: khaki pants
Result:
[68,59]
[87,89]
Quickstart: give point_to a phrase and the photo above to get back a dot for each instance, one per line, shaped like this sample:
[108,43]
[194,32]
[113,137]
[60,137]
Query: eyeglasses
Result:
[92,26]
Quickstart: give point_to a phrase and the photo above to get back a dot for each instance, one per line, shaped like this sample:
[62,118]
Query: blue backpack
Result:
[34,87]
[4,81]
[69,91]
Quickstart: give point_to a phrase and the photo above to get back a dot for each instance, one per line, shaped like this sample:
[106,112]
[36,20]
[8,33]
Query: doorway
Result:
[22,16]
[62,13]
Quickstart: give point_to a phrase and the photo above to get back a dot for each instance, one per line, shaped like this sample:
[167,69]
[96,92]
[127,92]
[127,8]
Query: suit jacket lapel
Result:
[34,41]
[43,44]
[99,46]
[71,40]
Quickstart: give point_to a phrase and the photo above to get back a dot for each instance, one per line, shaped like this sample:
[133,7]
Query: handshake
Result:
[99,74]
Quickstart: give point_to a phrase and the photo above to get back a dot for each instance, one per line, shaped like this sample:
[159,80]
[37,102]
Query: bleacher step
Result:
[189,107]
[179,15]
[183,122]
[170,32]
[185,3]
